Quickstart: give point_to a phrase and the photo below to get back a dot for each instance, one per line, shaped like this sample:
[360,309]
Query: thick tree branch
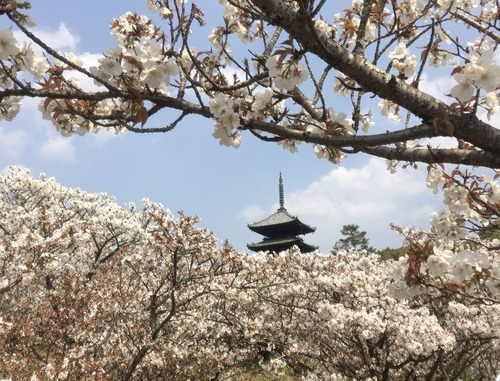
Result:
[495,37]
[371,78]
[137,360]
[436,155]
[377,144]
[358,141]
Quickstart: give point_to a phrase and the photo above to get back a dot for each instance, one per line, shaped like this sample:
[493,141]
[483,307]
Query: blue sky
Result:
[188,170]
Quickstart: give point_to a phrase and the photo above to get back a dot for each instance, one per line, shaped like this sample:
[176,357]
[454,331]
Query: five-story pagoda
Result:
[281,230]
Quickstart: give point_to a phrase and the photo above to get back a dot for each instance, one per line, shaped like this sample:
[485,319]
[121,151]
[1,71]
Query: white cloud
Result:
[58,148]
[12,143]
[440,142]
[63,39]
[60,39]
[101,138]
[252,213]
[438,87]
[369,196]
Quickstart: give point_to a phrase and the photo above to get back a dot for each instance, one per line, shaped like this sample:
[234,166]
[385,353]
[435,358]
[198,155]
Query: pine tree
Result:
[353,239]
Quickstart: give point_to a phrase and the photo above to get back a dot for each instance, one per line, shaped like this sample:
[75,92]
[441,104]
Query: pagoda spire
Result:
[281,194]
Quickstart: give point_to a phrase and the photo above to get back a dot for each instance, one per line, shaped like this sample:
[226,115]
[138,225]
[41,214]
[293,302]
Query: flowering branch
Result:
[267,87]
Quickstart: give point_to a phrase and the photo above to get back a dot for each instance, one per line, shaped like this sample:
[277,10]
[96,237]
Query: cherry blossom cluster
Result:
[246,29]
[141,62]
[228,112]
[223,108]
[146,62]
[461,250]
[287,74]
[108,289]
[22,58]
[405,65]
[480,72]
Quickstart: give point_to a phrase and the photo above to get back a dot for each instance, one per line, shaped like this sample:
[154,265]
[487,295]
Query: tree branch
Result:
[436,155]
[162,100]
[495,37]
[360,37]
[357,141]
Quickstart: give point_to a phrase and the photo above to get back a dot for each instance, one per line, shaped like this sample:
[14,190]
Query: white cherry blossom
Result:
[8,44]
[464,89]
[400,52]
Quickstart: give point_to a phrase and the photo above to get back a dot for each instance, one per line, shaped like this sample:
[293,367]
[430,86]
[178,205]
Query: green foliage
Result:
[490,232]
[390,254]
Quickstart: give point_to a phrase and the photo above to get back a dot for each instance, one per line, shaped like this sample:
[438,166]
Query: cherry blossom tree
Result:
[336,319]
[373,54]
[92,290]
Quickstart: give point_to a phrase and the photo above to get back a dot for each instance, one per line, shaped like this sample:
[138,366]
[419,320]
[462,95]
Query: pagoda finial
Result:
[281,194]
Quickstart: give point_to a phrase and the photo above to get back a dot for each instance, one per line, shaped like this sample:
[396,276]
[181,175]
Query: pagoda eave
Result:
[274,230]
[281,244]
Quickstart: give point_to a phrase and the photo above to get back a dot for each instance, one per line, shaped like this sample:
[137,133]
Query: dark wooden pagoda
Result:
[281,230]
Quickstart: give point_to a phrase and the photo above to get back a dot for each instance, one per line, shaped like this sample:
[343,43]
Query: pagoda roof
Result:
[280,244]
[280,223]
